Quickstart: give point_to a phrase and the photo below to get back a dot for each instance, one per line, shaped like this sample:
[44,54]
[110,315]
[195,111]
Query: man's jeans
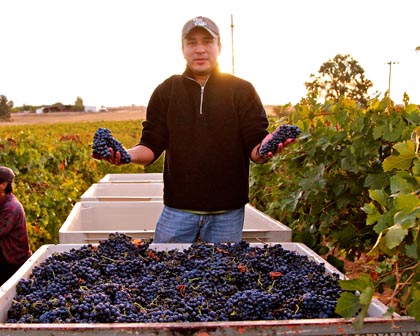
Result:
[178,226]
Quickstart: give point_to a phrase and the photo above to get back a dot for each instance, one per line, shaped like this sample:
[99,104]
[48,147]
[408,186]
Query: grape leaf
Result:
[399,184]
[395,236]
[379,196]
[406,202]
[414,306]
[350,304]
[372,213]
[402,161]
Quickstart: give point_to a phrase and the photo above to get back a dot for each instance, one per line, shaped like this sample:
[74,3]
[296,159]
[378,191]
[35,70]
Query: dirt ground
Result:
[114,114]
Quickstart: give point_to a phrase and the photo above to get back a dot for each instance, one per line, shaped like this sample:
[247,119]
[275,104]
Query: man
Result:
[210,124]
[14,242]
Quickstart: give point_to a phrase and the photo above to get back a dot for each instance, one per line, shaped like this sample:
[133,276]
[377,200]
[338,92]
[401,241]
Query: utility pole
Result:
[233,57]
[390,63]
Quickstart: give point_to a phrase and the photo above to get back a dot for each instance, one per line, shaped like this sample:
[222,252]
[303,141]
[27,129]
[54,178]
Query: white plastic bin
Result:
[123,192]
[92,221]
[132,178]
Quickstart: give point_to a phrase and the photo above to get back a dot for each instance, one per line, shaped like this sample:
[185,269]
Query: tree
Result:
[341,77]
[78,104]
[5,107]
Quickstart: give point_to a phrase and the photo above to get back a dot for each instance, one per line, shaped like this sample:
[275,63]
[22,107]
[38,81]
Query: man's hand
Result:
[277,149]
[114,158]
[274,142]
[106,147]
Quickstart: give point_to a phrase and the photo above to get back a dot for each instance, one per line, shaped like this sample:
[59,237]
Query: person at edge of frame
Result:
[14,241]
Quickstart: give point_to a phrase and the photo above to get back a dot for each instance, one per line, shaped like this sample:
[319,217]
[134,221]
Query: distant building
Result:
[91,109]
[96,109]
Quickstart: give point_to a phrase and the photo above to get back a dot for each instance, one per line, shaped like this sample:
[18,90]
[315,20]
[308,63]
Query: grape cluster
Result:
[283,133]
[102,141]
[124,280]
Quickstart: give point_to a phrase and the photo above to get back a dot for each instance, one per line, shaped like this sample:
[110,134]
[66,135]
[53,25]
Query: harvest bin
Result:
[92,221]
[375,323]
[132,178]
[123,192]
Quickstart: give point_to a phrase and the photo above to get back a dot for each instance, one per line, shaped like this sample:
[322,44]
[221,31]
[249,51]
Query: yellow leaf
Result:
[404,159]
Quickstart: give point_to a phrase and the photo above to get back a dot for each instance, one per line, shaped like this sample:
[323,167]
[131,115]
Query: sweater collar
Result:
[188,73]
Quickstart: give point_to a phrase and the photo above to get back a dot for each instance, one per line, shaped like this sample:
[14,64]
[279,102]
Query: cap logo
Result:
[199,22]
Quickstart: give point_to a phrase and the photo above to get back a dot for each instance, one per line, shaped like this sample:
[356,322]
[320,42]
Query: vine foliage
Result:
[54,167]
[350,186]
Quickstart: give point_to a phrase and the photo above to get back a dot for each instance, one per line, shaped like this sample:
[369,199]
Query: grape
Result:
[102,141]
[283,133]
[125,280]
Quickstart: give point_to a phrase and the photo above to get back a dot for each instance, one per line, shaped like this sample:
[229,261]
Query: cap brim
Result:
[213,34]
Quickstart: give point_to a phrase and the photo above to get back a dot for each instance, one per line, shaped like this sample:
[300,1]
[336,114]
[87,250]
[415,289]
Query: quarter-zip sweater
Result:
[207,132]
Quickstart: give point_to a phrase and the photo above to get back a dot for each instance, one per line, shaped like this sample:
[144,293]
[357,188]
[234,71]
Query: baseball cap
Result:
[6,174]
[201,22]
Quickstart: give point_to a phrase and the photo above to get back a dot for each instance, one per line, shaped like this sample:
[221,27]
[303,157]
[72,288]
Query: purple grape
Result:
[102,141]
[283,133]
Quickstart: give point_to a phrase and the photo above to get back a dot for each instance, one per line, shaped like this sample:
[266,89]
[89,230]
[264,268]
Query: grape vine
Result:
[349,188]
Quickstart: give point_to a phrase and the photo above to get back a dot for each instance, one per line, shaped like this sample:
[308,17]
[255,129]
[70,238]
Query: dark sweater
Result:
[208,134]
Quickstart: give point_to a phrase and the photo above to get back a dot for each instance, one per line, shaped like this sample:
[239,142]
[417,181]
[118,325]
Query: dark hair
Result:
[9,187]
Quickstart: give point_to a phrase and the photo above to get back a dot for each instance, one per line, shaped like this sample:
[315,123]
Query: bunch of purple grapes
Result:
[102,141]
[283,133]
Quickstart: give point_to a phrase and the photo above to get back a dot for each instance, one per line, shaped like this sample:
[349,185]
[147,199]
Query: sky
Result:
[115,52]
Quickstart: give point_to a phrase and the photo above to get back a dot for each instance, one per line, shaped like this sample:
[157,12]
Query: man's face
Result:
[201,51]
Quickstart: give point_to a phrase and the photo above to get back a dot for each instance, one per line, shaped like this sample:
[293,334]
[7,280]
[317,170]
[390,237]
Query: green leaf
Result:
[336,262]
[372,213]
[349,163]
[376,181]
[350,304]
[357,284]
[378,131]
[406,219]
[395,129]
[406,202]
[395,236]
[414,306]
[416,169]
[402,161]
[399,184]
[385,221]
[418,246]
[411,250]
[411,113]
[366,295]
[313,179]
[379,196]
